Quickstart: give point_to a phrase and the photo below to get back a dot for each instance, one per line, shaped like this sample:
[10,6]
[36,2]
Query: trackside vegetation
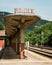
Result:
[40,35]
[2,27]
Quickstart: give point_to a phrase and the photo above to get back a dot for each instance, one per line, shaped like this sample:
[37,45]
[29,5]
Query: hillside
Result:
[40,22]
[2,14]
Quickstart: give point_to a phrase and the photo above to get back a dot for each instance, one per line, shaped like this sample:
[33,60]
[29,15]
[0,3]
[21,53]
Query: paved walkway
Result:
[31,59]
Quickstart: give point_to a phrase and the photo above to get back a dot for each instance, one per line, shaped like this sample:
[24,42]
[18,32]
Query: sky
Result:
[42,8]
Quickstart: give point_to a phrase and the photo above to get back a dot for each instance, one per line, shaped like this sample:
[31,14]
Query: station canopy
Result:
[18,21]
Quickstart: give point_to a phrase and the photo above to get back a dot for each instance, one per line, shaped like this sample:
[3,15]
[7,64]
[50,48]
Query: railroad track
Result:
[42,51]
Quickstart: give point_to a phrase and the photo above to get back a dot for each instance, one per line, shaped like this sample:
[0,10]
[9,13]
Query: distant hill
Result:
[40,22]
[2,14]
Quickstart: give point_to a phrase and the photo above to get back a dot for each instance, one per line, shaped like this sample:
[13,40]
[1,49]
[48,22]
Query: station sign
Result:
[23,10]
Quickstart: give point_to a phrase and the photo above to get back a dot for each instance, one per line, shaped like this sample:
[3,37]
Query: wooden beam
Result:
[11,27]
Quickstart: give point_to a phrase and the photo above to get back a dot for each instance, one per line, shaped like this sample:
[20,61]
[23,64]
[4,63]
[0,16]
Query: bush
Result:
[35,36]
[1,26]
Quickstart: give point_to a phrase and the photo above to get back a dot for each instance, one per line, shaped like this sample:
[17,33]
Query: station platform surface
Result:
[31,59]
[9,53]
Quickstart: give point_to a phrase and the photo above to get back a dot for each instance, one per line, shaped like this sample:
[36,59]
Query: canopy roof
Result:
[13,22]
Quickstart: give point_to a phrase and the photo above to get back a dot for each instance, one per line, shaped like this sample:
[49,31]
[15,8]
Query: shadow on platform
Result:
[9,53]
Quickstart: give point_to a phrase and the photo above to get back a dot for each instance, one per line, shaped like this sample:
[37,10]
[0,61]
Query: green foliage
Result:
[2,22]
[1,26]
[35,36]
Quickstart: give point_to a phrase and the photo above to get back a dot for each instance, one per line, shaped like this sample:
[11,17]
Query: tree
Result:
[1,26]
[35,36]
[50,40]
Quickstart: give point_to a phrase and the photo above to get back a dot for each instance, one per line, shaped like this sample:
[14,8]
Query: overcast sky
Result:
[43,8]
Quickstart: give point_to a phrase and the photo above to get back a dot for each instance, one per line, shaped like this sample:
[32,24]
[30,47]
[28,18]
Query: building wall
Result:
[2,43]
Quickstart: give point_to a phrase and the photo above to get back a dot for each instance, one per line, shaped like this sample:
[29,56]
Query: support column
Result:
[21,45]
[18,40]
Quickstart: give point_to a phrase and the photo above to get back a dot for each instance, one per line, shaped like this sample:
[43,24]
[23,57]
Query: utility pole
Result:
[42,38]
